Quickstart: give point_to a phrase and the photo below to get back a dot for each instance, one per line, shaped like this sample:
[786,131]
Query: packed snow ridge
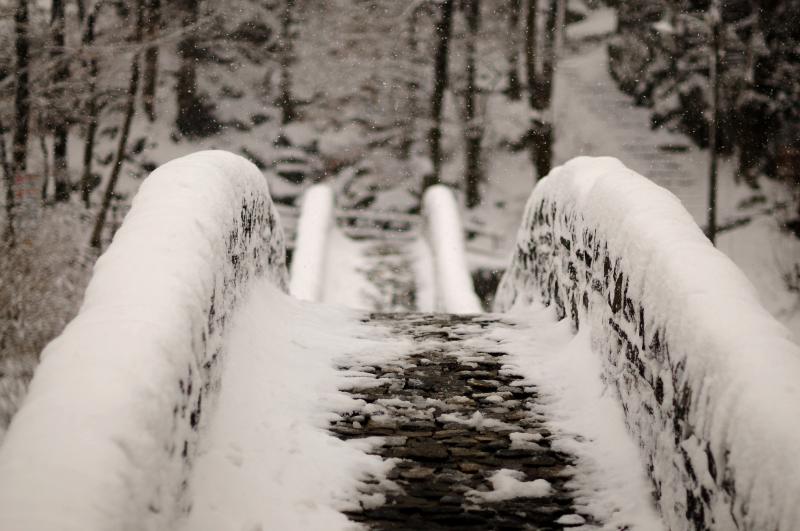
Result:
[114,409]
[708,379]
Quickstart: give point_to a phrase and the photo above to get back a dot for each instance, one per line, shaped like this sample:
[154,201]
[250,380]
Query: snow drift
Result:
[454,290]
[107,435]
[707,378]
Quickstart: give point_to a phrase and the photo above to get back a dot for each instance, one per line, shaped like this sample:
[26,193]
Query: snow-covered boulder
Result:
[108,433]
[709,381]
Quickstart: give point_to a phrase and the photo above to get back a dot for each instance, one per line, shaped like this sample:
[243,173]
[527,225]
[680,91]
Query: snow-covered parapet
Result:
[454,290]
[311,242]
[107,435]
[707,378]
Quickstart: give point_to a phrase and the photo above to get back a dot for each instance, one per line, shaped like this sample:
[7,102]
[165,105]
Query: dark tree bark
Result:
[285,99]
[92,106]
[473,133]
[412,86]
[195,114]
[713,134]
[22,104]
[531,50]
[444,29]
[8,181]
[96,240]
[514,86]
[540,85]
[186,83]
[150,71]
[545,89]
[59,120]
[46,167]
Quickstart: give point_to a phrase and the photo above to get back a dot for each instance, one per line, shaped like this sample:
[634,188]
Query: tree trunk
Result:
[285,100]
[92,107]
[540,87]
[713,79]
[561,28]
[8,181]
[60,121]
[412,87]
[19,149]
[531,50]
[150,73]
[440,81]
[45,167]
[195,117]
[545,89]
[473,133]
[514,86]
[96,240]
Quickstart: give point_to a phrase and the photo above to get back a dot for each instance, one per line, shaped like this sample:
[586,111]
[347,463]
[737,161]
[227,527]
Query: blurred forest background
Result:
[381,98]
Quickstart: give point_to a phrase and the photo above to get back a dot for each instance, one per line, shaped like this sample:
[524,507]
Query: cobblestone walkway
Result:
[388,268]
[469,451]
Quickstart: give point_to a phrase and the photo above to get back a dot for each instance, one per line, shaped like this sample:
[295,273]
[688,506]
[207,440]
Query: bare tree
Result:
[22,108]
[531,49]
[195,113]
[412,84]
[92,104]
[150,71]
[473,132]
[514,89]
[540,84]
[285,99]
[130,110]
[714,22]
[444,29]
[58,118]
[8,180]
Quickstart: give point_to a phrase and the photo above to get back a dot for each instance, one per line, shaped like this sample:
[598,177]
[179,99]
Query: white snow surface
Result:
[314,228]
[728,372]
[97,443]
[266,461]
[610,481]
[507,484]
[454,289]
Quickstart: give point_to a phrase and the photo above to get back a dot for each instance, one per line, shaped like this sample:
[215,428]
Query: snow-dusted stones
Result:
[456,448]
[707,379]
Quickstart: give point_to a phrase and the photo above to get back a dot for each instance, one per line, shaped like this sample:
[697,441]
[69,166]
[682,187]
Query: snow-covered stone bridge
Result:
[628,378]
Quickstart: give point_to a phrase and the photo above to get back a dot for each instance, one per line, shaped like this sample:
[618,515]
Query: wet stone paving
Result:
[469,450]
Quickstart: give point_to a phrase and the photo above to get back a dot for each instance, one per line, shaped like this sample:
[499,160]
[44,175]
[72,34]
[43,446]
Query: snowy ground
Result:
[267,461]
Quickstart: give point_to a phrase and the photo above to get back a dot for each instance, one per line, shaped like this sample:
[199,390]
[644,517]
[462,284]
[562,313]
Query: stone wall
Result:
[115,409]
[697,363]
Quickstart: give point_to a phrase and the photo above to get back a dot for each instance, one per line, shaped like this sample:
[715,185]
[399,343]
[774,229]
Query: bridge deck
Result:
[470,453]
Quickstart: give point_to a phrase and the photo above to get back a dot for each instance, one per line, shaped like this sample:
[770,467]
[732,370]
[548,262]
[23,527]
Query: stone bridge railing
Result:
[709,382]
[117,402]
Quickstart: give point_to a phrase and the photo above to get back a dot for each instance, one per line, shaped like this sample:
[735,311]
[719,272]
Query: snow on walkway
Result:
[495,421]
[266,461]
[382,274]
